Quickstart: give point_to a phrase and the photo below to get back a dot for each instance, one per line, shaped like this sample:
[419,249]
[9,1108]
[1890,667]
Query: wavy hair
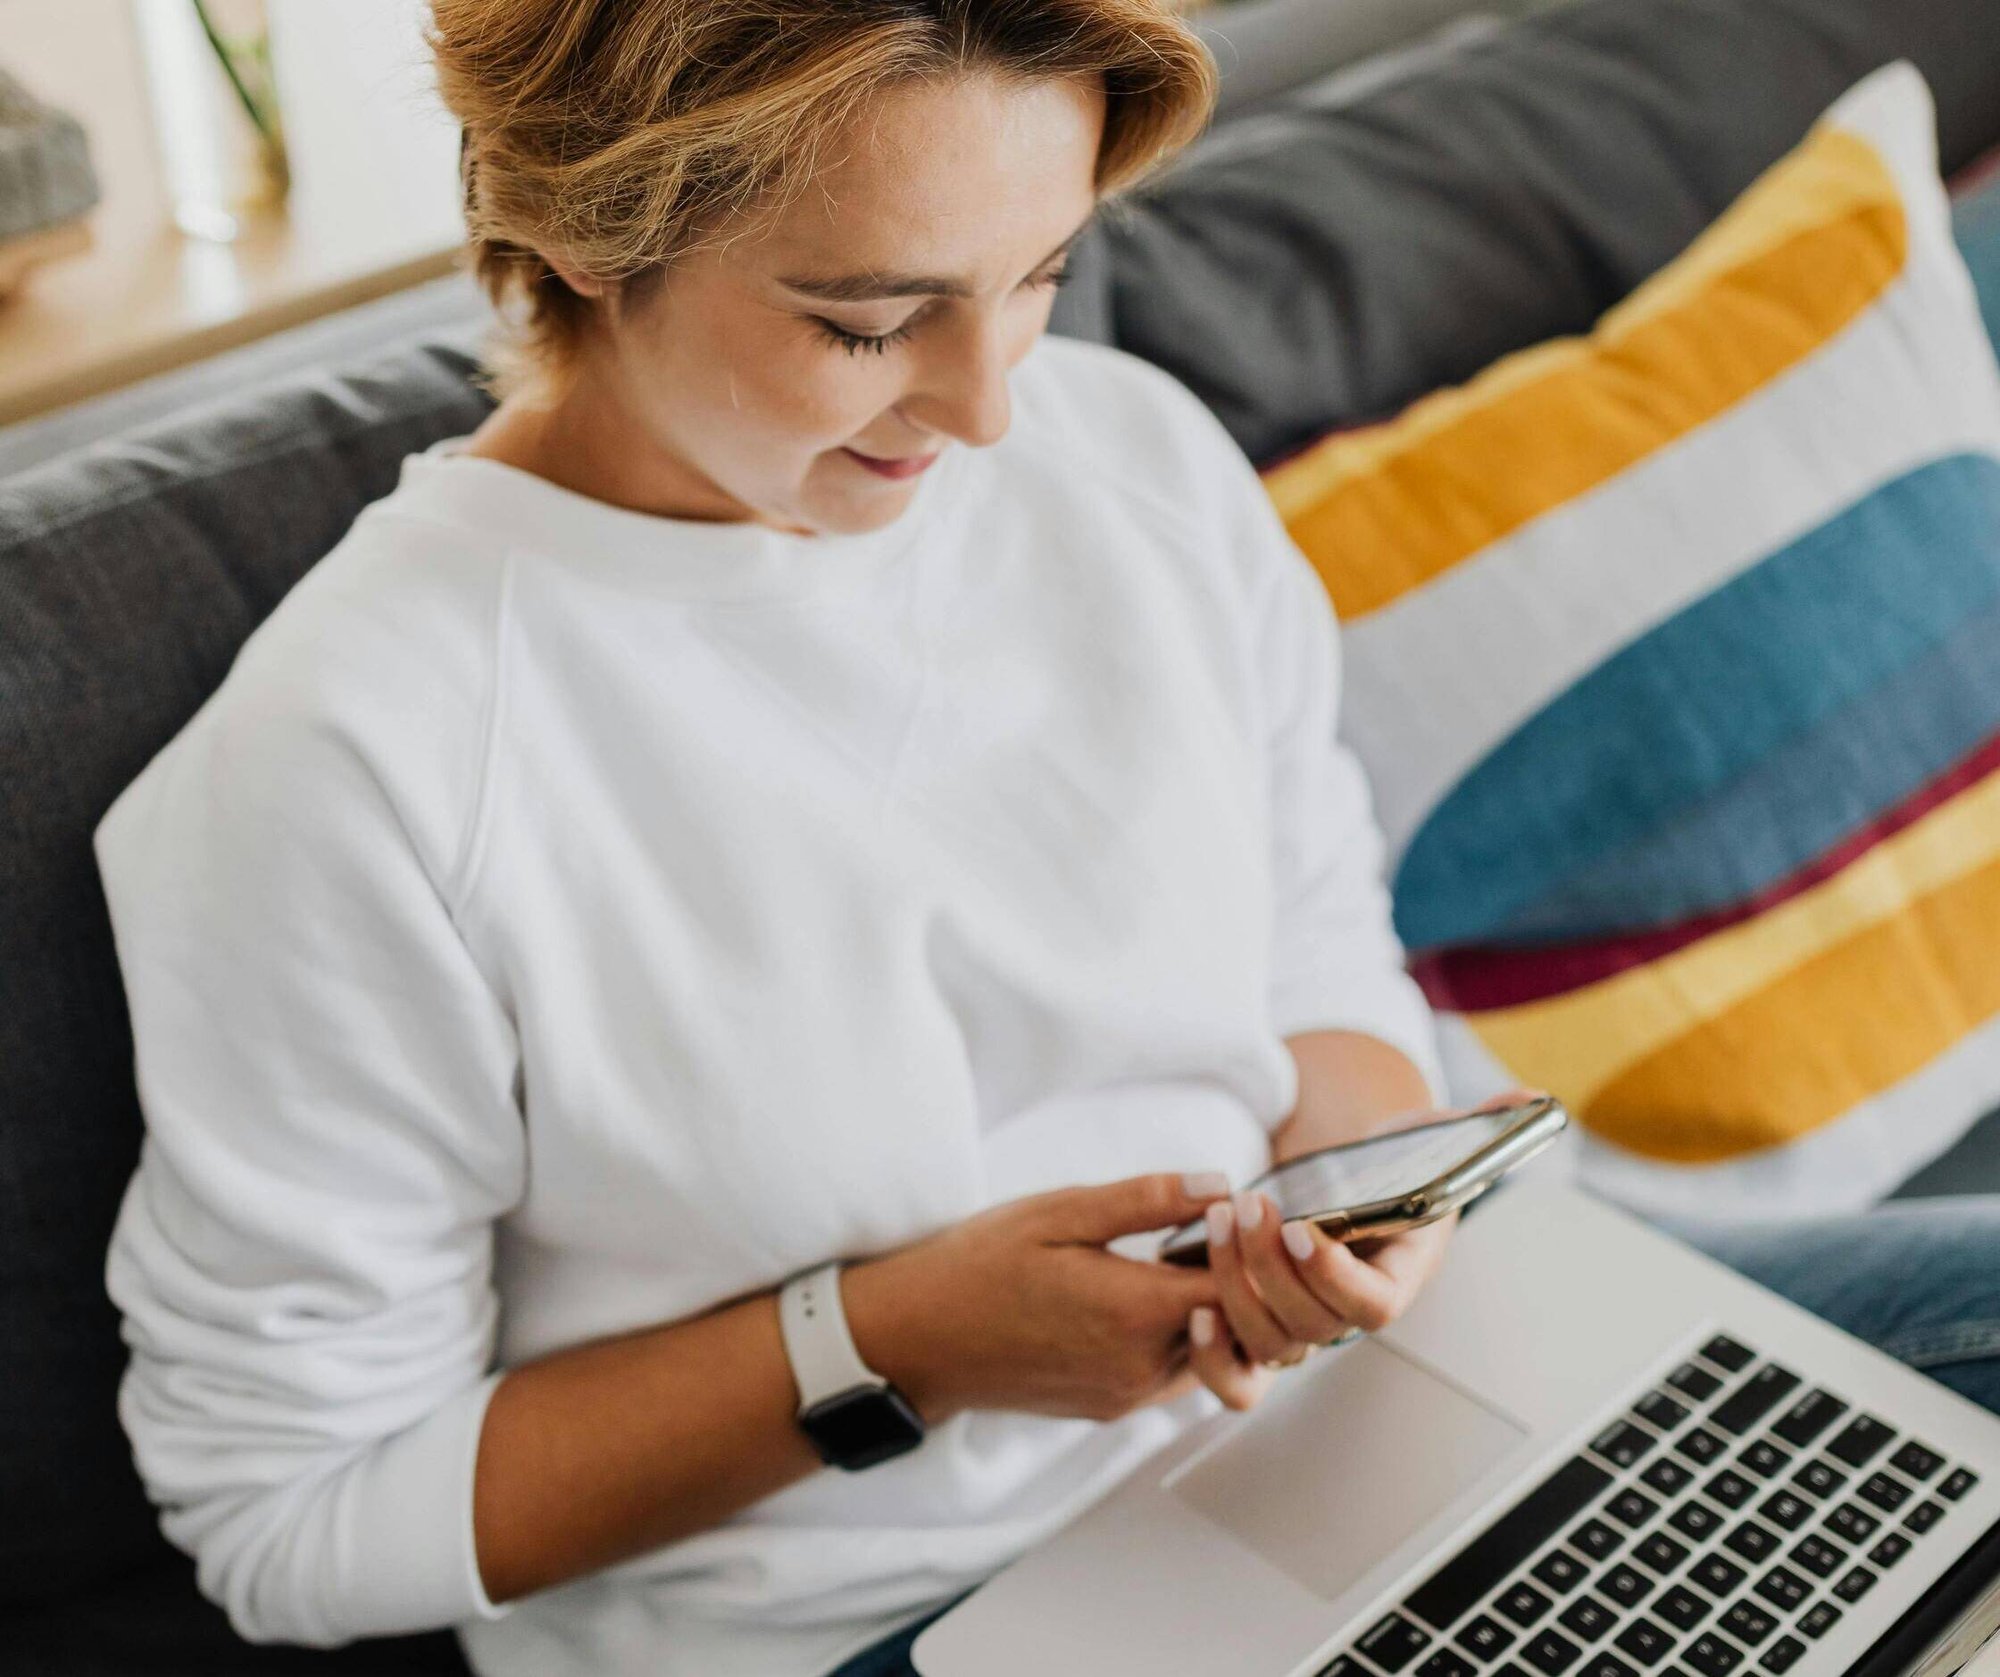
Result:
[622,134]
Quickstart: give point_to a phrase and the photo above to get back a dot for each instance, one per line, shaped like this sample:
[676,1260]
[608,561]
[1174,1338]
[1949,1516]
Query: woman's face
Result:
[877,315]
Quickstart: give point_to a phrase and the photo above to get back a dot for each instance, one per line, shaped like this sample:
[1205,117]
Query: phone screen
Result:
[1381,1168]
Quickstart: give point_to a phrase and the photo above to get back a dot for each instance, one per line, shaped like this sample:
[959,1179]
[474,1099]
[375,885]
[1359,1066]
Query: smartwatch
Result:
[854,1416]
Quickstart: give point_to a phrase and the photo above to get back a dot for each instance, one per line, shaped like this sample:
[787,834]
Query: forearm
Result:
[1348,1084]
[605,1450]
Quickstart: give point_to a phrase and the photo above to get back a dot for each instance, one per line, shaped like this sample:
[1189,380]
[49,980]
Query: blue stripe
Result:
[1735,742]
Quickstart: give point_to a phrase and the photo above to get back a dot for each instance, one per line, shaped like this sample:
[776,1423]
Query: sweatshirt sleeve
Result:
[1337,963]
[302,1257]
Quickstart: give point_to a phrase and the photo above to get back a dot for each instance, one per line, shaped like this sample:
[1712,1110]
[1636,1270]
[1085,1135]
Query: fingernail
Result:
[1298,1240]
[1205,1184]
[1201,1325]
[1249,1210]
[1219,1220]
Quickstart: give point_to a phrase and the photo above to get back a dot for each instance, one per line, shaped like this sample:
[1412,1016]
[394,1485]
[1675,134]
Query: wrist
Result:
[891,1336]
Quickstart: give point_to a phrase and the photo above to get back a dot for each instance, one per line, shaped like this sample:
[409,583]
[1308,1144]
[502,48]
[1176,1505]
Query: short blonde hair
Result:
[625,133]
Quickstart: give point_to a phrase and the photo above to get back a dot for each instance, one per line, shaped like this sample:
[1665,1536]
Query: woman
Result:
[825,772]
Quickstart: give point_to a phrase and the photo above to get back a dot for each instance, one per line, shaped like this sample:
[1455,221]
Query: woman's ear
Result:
[584,285]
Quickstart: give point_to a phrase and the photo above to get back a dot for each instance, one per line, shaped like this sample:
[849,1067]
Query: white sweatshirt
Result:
[562,919]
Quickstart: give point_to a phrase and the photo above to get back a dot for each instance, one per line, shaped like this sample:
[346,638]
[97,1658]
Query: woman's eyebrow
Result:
[858,288]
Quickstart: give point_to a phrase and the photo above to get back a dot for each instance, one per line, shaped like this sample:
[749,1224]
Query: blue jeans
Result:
[1920,1279]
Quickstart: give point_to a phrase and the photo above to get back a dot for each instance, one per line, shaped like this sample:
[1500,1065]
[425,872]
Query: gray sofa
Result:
[1331,251]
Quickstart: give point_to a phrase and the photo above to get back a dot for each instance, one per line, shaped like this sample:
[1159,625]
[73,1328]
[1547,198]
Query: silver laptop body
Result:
[1478,1491]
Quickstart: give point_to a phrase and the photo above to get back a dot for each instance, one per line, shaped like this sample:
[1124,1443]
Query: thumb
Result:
[1156,1200]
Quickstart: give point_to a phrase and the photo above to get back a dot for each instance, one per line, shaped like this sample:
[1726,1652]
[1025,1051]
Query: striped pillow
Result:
[1674,657]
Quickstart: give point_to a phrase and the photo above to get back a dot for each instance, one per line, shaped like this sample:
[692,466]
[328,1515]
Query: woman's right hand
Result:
[1021,1306]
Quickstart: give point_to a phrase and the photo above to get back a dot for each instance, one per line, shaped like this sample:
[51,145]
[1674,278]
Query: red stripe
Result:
[1480,979]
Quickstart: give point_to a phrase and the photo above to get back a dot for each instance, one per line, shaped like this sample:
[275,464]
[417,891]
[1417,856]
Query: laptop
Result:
[1585,1451]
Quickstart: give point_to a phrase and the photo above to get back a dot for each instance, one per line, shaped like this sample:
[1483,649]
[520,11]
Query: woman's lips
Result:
[908,466]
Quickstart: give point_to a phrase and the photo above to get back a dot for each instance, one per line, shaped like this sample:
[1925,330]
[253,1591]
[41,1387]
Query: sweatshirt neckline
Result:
[683,558]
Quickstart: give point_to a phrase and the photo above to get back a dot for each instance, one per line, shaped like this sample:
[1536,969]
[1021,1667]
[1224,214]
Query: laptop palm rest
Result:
[1367,1433]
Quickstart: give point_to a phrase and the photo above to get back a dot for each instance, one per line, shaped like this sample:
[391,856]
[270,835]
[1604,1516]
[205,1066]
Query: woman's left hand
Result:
[1289,1288]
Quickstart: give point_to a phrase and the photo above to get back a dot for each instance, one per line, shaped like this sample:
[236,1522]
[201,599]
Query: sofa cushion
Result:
[1315,264]
[1668,652]
[129,577]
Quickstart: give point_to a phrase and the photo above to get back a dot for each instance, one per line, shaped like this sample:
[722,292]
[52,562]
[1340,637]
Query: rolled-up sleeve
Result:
[303,1256]
[1337,963]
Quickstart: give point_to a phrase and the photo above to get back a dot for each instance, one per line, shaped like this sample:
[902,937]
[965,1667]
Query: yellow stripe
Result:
[1816,240]
[1771,1070]
[1591,1045]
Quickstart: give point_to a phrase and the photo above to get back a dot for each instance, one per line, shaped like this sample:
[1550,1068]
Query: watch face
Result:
[860,1428]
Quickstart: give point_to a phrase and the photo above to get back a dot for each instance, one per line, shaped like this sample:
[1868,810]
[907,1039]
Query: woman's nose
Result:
[963,388]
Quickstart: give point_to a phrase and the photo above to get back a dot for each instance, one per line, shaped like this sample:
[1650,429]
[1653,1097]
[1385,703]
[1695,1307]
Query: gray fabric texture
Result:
[1318,270]
[1320,265]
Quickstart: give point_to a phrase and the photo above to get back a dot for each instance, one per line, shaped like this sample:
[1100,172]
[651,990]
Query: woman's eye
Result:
[855,342]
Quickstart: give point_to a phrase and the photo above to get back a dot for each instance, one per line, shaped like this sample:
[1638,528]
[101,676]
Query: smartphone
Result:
[1362,1190]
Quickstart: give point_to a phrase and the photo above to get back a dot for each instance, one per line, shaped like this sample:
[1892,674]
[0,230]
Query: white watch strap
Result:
[814,1324]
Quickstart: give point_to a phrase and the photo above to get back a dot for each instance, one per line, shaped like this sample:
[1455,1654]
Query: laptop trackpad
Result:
[1344,1460]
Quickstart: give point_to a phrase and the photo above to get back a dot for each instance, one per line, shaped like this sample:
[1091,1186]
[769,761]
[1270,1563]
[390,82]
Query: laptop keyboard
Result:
[1724,1522]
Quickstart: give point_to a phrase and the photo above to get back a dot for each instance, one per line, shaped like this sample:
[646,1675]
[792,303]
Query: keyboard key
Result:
[1716,1575]
[1765,1458]
[1884,1492]
[1855,1585]
[1446,1663]
[1695,1381]
[1926,1514]
[1622,1443]
[1694,1519]
[1667,1476]
[1748,1623]
[1711,1656]
[1681,1607]
[1817,1556]
[1606,1665]
[1626,1585]
[1860,1439]
[1485,1636]
[1341,1665]
[1724,1352]
[1560,1570]
[1700,1446]
[1782,1654]
[1752,1541]
[1664,1412]
[1781,1508]
[1393,1642]
[1448,1595]
[1819,1618]
[1809,1417]
[1783,1588]
[1661,1552]
[1596,1539]
[1586,1618]
[1956,1483]
[1551,1653]
[1644,1641]
[1852,1523]
[1890,1550]
[1917,1461]
[1819,1479]
[1631,1507]
[1522,1603]
[1730,1488]
[1754,1399]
